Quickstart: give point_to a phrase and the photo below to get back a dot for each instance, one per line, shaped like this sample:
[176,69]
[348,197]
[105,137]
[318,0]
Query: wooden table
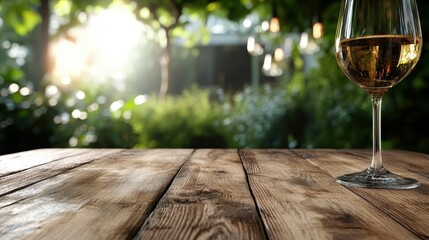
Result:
[206,194]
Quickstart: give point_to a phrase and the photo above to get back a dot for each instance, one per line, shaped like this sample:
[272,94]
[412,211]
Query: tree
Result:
[164,17]
[167,18]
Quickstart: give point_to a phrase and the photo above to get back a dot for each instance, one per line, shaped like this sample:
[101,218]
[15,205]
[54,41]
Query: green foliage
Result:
[317,108]
[21,15]
[89,122]
[189,120]
[25,121]
[233,10]
[37,120]
[405,107]
[250,116]
[338,107]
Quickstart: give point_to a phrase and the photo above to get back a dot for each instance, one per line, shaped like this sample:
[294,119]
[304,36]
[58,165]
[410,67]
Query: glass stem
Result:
[377,161]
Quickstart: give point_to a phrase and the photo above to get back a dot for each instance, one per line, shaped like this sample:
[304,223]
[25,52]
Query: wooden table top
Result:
[206,194]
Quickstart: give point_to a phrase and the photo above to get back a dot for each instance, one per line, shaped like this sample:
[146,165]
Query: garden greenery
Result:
[316,108]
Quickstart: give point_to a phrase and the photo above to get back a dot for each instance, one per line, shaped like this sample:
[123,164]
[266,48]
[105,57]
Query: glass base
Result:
[370,178]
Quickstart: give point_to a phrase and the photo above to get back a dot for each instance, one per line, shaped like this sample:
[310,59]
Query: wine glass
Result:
[377,44]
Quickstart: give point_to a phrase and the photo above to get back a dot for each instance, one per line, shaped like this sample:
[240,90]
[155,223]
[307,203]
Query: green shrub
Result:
[25,119]
[189,120]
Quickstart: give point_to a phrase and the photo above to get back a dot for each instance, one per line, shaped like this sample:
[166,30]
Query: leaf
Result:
[165,17]
[213,6]
[22,18]
[14,74]
[62,8]
[205,35]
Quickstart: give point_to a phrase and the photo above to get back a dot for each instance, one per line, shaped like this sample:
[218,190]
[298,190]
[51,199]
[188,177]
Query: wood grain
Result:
[47,164]
[410,207]
[108,198]
[298,200]
[20,161]
[206,194]
[209,199]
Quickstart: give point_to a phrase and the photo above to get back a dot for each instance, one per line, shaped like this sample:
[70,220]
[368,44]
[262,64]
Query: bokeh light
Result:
[100,49]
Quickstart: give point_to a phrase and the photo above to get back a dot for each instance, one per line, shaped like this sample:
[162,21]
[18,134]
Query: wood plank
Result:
[410,164]
[408,207]
[15,162]
[298,200]
[108,198]
[209,199]
[59,161]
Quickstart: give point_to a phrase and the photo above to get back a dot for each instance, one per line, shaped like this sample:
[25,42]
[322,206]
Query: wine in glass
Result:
[377,44]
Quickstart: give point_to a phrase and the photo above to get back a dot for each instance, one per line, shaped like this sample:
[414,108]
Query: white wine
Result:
[377,63]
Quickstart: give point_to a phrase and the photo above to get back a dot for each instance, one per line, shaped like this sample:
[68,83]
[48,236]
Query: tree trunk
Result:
[164,62]
[45,14]
[39,43]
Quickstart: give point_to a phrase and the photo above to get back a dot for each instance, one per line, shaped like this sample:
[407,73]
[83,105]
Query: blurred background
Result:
[191,73]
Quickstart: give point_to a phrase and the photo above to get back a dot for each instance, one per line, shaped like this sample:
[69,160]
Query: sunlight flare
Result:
[100,49]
